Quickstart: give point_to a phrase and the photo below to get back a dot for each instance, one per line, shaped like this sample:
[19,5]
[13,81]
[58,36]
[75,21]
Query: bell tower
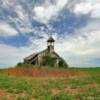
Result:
[50,44]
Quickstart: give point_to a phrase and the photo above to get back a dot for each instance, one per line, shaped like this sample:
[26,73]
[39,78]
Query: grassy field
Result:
[50,84]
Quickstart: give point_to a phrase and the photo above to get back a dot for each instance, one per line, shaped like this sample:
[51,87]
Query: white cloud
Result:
[17,15]
[45,12]
[20,12]
[88,6]
[83,48]
[7,30]
[83,8]
[80,49]
[10,56]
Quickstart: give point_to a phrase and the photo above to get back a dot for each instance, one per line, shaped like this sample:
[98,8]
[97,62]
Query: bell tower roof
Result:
[50,39]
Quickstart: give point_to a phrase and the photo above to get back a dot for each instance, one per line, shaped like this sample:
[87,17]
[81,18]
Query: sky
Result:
[26,24]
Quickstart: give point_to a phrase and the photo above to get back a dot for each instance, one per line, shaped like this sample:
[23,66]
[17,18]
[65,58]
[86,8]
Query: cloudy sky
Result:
[26,24]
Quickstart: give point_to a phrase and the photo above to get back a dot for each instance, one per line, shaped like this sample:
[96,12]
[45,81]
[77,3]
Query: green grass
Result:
[66,88]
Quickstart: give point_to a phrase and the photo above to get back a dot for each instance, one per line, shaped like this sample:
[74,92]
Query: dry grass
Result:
[44,72]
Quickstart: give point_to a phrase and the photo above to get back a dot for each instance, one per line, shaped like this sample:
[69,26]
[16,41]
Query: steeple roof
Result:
[50,39]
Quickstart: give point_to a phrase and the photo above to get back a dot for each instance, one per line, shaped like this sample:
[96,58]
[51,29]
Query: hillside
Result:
[50,84]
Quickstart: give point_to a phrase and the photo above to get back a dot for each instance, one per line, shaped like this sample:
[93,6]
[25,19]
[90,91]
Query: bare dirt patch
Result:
[3,92]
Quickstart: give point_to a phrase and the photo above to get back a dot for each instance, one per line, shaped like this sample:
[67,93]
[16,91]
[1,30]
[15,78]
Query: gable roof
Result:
[31,56]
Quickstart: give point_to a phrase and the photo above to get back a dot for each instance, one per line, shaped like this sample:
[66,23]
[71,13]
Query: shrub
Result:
[24,65]
[48,61]
[62,64]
